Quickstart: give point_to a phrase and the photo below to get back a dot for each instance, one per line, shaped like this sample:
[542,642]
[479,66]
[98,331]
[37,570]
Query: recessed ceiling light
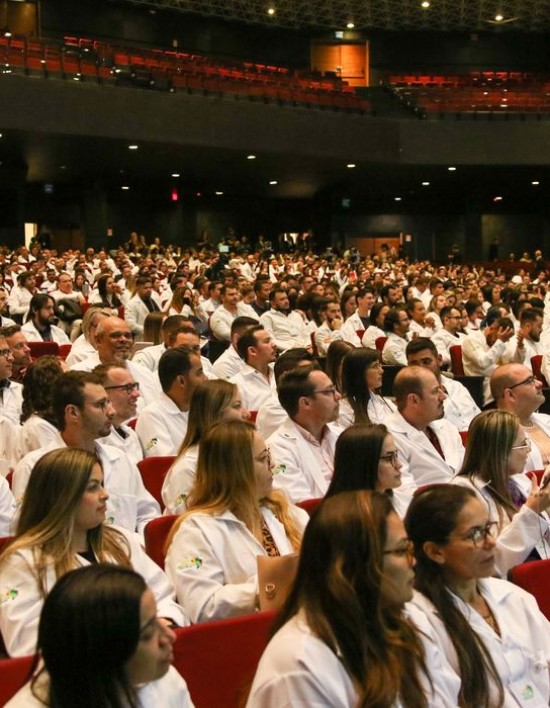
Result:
[133,147]
[451,169]
[7,34]
[425,5]
[273,181]
[175,174]
[270,10]
[499,17]
[535,183]
[251,157]
[125,188]
[425,184]
[219,194]
[397,199]
[497,199]
[62,167]
[350,25]
[351,165]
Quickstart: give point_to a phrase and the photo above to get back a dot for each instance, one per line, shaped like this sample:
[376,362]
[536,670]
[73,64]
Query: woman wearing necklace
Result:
[496,451]
[491,631]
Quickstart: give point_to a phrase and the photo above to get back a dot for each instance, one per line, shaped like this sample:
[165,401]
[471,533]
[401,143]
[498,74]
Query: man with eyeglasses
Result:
[303,446]
[11,392]
[114,345]
[123,393]
[450,334]
[517,391]
[83,415]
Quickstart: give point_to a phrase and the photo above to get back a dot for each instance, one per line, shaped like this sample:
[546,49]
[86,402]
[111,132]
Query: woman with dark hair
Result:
[492,632]
[365,457]
[377,315]
[233,517]
[101,645]
[106,293]
[336,353]
[348,303]
[497,449]
[361,381]
[343,638]
[38,427]
[62,526]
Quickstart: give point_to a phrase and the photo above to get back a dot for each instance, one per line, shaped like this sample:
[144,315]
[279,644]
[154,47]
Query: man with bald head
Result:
[114,345]
[430,448]
[517,391]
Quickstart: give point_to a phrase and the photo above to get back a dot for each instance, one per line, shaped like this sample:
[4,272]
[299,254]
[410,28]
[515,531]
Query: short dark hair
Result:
[293,385]
[248,339]
[174,362]
[419,344]
[274,292]
[143,279]
[69,391]
[529,315]
[173,322]
[290,359]
[9,330]
[241,324]
[392,317]
[185,327]
[471,306]
[259,282]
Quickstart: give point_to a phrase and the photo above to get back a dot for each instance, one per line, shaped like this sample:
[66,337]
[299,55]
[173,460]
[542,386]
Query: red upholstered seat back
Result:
[155,533]
[153,470]
[535,578]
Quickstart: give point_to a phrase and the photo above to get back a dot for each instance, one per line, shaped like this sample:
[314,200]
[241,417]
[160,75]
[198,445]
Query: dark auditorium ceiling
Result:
[445,15]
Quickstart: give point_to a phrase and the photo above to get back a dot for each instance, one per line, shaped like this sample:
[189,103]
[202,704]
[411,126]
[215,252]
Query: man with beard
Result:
[20,350]
[256,380]
[40,325]
[527,342]
[114,345]
[287,329]
[430,448]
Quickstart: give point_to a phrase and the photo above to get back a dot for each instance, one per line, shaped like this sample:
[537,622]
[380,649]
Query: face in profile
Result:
[398,564]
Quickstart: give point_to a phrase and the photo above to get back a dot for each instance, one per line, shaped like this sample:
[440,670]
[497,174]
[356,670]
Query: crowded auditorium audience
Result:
[264,381]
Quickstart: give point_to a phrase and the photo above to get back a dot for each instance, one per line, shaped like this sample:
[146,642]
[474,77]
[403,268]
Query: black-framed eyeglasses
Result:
[330,391]
[391,457]
[529,381]
[129,387]
[480,533]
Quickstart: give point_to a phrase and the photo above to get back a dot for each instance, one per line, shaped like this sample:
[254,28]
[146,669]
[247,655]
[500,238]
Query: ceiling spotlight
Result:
[175,174]
[133,147]
[7,34]
[351,165]
[219,194]
[270,10]
[251,157]
[497,199]
[62,167]
[425,4]
[350,25]
[499,17]
[451,169]
[125,188]
[535,183]
[273,181]
[425,184]
[397,199]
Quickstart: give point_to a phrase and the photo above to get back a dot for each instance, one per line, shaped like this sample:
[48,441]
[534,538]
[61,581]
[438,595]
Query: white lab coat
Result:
[534,461]
[298,669]
[179,481]
[297,469]
[517,537]
[33,335]
[170,691]
[11,402]
[349,329]
[228,364]
[7,510]
[324,336]
[480,359]
[394,350]
[521,654]
[135,312]
[253,386]
[212,563]
[130,505]
[443,341]
[20,613]
[288,331]
[459,406]
[421,462]
[222,319]
[8,432]
[80,350]
[371,335]
[129,445]
[36,432]
[161,427]
[378,409]
[19,300]
[149,357]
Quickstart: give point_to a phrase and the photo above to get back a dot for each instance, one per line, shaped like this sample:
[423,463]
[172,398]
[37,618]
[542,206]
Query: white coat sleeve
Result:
[199,578]
[287,472]
[153,435]
[7,509]
[178,483]
[483,360]
[220,326]
[21,473]
[20,606]
[130,316]
[518,538]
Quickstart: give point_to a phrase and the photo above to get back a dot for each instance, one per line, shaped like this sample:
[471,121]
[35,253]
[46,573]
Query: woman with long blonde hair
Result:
[233,516]
[61,527]
[211,402]
[496,451]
